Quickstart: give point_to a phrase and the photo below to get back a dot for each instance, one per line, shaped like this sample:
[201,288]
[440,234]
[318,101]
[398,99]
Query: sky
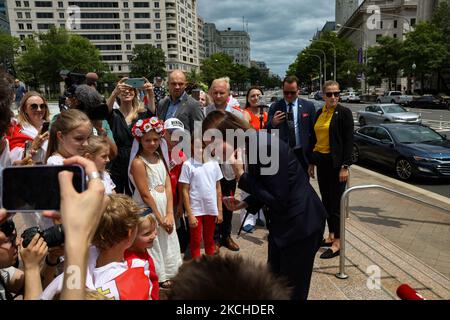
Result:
[278,29]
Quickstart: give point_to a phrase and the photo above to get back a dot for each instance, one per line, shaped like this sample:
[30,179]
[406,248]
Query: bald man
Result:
[178,104]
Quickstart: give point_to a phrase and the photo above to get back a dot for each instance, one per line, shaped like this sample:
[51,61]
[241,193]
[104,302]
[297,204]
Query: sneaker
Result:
[248,228]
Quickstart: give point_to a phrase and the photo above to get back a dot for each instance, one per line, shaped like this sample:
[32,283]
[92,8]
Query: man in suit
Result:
[294,118]
[178,104]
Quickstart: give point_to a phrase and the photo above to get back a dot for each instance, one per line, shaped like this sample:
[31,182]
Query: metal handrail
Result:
[344,214]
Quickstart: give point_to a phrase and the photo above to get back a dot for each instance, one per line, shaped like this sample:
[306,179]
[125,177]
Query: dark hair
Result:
[6,98]
[223,120]
[227,278]
[290,79]
[247,104]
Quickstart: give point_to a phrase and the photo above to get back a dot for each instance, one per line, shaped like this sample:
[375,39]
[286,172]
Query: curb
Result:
[402,184]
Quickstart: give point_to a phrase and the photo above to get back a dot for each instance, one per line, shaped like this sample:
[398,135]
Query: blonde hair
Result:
[226,80]
[330,83]
[22,115]
[120,216]
[150,218]
[66,122]
[96,144]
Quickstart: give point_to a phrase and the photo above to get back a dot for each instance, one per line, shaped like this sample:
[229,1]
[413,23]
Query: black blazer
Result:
[296,211]
[341,137]
[306,118]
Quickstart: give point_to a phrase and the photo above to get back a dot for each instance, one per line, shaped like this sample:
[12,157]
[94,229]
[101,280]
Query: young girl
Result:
[68,136]
[148,173]
[202,198]
[144,240]
[97,150]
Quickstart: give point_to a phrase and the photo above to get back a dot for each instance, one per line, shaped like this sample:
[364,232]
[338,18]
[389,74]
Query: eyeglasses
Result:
[35,106]
[9,229]
[330,94]
[289,93]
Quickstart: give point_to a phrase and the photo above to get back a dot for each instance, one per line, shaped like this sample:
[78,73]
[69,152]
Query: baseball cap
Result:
[173,124]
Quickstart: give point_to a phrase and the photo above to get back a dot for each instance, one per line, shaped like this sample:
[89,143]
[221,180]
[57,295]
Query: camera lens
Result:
[28,235]
[54,236]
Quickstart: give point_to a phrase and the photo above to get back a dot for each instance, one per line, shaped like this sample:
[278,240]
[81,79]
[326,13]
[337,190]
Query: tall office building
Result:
[237,45]
[4,23]
[212,39]
[344,10]
[425,8]
[116,27]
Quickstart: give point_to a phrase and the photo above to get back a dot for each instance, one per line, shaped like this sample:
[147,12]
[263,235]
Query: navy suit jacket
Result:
[295,210]
[306,117]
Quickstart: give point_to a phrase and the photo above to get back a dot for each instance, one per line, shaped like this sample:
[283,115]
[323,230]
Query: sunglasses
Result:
[330,94]
[35,106]
[289,93]
[9,228]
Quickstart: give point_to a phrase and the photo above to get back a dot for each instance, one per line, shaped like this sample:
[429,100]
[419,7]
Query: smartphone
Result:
[45,127]
[27,148]
[135,82]
[36,188]
[196,94]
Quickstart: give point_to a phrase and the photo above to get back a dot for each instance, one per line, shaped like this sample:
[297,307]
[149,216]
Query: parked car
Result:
[412,150]
[394,97]
[317,104]
[318,95]
[312,94]
[350,97]
[429,101]
[386,113]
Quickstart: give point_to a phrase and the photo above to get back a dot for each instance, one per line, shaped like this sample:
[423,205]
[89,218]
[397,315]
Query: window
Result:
[119,68]
[92,4]
[382,134]
[141,4]
[18,4]
[100,26]
[26,4]
[129,57]
[125,4]
[156,4]
[126,15]
[127,36]
[102,36]
[44,15]
[143,36]
[127,26]
[98,15]
[395,35]
[159,46]
[60,4]
[19,15]
[395,24]
[29,26]
[30,36]
[413,22]
[44,26]
[158,25]
[128,46]
[378,37]
[157,15]
[368,131]
[22,37]
[381,24]
[24,48]
[21,26]
[112,58]
[158,36]
[142,25]
[43,4]
[61,15]
[28,15]
[109,47]
[142,15]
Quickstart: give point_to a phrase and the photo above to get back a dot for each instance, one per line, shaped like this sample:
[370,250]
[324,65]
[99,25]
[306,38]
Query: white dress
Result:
[166,248]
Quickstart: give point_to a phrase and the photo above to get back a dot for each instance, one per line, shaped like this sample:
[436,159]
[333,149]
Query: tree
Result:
[54,51]
[218,65]
[9,47]
[148,61]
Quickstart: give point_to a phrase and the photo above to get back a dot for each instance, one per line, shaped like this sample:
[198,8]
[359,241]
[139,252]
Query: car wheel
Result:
[403,169]
[355,154]
[362,121]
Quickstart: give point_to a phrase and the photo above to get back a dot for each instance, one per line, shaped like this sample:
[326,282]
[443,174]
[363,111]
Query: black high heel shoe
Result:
[328,254]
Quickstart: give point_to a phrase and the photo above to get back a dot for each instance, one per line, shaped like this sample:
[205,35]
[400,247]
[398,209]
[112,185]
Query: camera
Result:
[53,236]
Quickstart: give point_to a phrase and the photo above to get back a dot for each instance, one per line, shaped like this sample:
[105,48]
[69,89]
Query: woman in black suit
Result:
[332,154]
[296,218]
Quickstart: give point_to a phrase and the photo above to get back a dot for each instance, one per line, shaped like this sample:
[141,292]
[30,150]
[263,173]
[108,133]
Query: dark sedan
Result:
[412,150]
[429,102]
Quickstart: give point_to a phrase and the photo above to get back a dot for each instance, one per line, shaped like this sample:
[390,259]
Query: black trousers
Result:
[295,263]
[301,158]
[223,230]
[331,191]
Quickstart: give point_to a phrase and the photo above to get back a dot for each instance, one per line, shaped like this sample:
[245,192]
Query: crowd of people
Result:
[153,198]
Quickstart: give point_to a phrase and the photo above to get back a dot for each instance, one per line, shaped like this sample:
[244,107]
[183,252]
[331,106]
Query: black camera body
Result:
[53,236]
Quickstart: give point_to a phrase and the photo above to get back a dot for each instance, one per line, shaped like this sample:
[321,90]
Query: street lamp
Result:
[414,66]
[348,74]
[325,61]
[320,67]
[334,53]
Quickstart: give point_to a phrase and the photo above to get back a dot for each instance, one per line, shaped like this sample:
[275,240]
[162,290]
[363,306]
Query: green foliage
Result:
[148,61]
[49,53]
[218,65]
[9,47]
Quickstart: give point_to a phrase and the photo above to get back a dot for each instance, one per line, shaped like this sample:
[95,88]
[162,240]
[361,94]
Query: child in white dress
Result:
[151,180]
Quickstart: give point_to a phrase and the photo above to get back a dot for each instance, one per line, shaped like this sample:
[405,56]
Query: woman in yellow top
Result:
[332,154]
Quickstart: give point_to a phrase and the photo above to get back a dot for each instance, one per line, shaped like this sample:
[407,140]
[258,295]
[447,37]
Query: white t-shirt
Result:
[202,178]
[56,160]
[108,183]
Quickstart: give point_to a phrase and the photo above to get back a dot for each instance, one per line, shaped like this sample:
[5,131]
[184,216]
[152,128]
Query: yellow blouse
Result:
[322,130]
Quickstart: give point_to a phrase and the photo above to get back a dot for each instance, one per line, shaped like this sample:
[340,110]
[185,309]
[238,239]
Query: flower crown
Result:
[144,126]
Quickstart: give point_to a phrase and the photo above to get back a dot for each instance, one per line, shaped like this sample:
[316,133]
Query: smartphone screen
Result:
[36,188]
[27,148]
[135,82]
[45,127]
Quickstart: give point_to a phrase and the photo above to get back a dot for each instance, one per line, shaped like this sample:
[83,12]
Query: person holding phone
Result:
[30,126]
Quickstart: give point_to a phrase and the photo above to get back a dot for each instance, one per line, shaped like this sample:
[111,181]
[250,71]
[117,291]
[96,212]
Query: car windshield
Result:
[415,134]
[393,109]
[396,93]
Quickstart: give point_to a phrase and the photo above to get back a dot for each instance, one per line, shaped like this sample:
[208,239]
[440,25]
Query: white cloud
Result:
[278,29]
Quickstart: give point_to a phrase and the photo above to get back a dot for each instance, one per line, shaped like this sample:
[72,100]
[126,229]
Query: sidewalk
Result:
[408,242]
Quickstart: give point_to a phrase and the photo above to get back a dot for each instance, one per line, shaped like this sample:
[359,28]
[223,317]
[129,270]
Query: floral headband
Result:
[144,126]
